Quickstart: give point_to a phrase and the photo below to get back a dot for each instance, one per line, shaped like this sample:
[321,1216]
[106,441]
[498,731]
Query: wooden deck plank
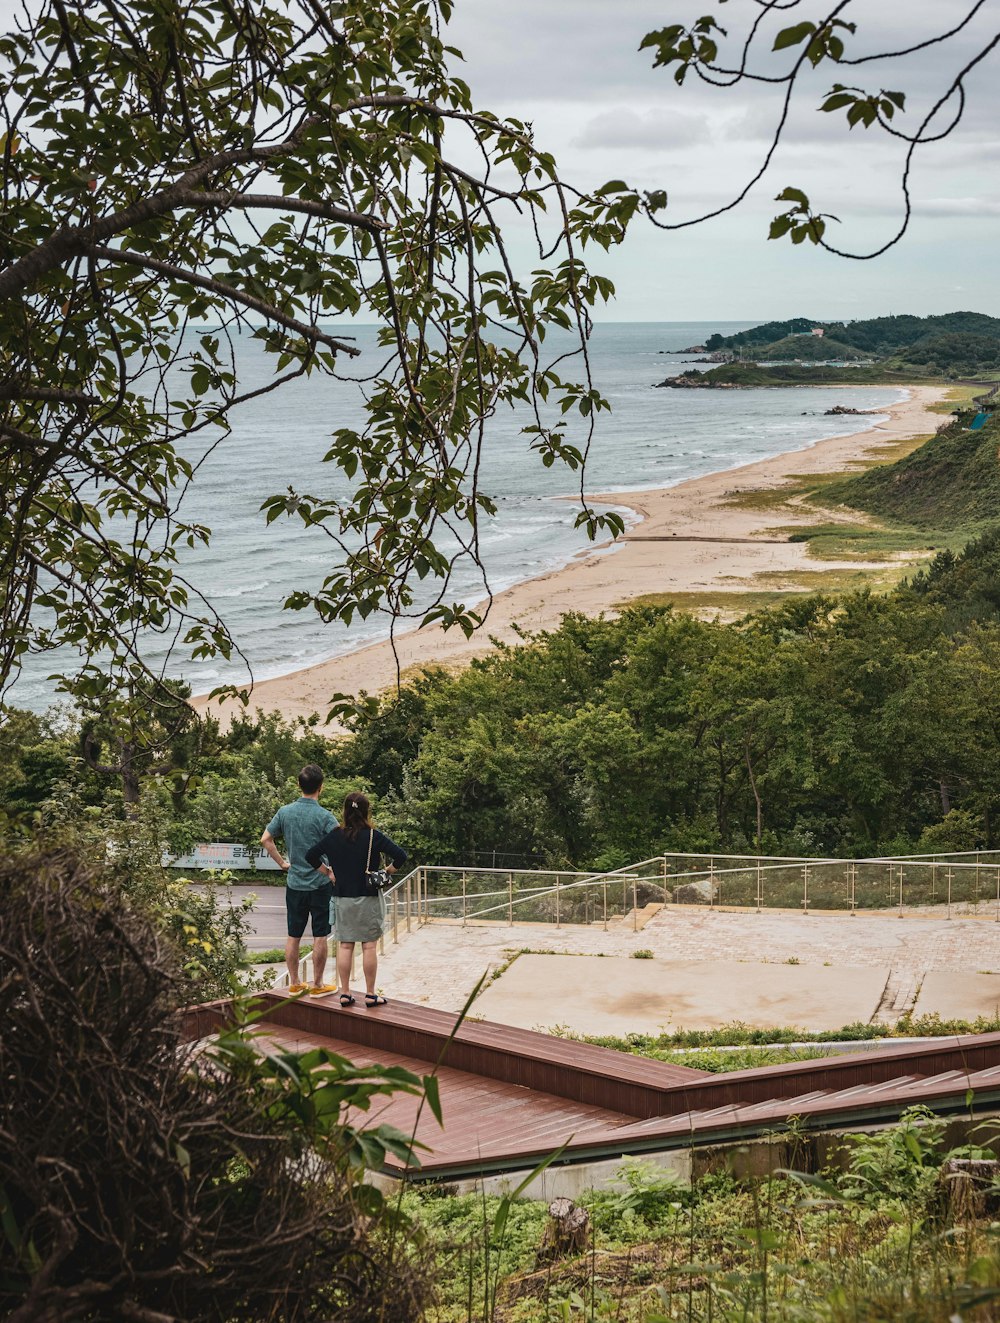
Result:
[510,1096]
[482,1115]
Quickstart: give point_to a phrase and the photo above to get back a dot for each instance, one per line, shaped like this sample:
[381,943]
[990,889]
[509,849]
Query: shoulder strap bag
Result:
[377,880]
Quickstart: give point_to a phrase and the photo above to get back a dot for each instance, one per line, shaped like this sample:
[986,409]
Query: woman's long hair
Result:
[357,814]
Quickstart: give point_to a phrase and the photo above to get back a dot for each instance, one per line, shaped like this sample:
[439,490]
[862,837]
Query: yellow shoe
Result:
[297,987]
[323,991]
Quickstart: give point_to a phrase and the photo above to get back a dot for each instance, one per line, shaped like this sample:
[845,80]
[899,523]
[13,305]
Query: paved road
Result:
[267,917]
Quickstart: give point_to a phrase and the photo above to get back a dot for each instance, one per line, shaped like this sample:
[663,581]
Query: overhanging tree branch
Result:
[124,257]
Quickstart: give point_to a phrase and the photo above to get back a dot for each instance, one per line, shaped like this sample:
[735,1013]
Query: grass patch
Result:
[735,604]
[871,1238]
[739,1034]
[719,1061]
[273,956]
[958,397]
[871,542]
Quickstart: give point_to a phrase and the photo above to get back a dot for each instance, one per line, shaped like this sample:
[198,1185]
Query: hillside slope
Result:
[812,348]
[951,481]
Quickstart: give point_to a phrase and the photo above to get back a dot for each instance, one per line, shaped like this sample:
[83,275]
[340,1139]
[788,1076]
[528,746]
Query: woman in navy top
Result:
[344,855]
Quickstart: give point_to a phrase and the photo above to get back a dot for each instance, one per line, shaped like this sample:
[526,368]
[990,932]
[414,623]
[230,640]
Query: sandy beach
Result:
[689,538]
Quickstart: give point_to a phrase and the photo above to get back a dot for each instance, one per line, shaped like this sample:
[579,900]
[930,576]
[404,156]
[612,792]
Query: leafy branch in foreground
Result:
[811,43]
[176,176]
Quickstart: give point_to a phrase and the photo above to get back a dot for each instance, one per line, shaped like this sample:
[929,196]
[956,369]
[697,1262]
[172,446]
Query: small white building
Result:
[817,330]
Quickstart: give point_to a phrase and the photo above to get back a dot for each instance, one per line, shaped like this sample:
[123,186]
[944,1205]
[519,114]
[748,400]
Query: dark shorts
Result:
[304,905]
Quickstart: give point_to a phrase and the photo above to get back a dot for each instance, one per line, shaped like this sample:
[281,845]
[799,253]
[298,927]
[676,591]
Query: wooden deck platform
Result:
[511,1096]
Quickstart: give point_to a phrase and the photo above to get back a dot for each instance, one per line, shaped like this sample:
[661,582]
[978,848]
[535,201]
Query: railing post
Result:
[395,917]
[997,919]
[604,888]
[760,888]
[558,919]
[409,902]
[805,889]
[711,883]
[852,888]
[465,899]
[948,876]
[635,906]
[510,899]
[900,890]
[934,880]
[975,906]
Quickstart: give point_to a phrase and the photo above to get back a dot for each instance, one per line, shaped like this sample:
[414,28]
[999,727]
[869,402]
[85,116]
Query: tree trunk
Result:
[945,797]
[753,787]
[971,1188]
[129,773]
[566,1231]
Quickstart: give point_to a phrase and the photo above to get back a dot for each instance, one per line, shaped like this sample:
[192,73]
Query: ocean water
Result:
[652,438]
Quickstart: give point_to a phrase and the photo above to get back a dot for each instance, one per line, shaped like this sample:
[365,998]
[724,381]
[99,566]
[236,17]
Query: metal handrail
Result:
[989,859]
[408,899]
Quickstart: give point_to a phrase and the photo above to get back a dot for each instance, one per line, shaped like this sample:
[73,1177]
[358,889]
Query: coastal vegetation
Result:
[950,482]
[887,350]
[879,337]
[847,725]
[733,375]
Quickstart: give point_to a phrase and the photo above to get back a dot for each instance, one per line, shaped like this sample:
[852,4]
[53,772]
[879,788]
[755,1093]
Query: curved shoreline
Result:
[675,549]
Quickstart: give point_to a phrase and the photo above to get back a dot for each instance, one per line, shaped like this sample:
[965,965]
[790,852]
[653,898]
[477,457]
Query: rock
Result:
[702,892]
[843,408]
[566,1231]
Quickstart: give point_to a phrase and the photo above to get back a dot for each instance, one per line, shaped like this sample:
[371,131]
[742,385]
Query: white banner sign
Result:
[221,855]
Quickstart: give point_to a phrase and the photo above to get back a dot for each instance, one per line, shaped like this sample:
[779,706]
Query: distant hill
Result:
[951,481]
[810,349]
[956,342]
[957,351]
[764,334]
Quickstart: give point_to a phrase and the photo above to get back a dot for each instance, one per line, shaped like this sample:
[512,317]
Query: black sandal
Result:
[346,999]
[373,999]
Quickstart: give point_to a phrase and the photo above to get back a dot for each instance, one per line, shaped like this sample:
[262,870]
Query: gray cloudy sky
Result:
[572,68]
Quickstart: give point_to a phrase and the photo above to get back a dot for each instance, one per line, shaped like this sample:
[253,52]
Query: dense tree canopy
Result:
[260,169]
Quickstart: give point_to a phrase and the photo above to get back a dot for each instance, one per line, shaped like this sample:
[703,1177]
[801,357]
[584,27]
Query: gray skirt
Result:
[358,918]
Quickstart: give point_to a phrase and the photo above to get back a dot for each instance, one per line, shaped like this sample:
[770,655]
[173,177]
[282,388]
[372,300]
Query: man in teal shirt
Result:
[302,824]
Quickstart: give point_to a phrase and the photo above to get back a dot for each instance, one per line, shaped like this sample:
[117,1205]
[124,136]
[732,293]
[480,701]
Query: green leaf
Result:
[793,36]
[779,226]
[433,1096]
